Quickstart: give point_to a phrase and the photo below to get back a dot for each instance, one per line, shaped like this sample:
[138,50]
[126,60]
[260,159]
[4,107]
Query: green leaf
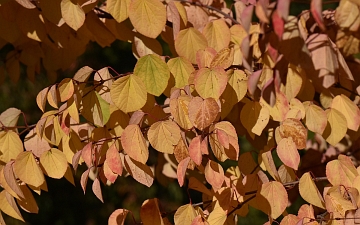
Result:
[153,72]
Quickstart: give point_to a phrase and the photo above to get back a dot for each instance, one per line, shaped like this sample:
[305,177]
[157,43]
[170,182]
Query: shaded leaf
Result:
[150,212]
[140,172]
[118,217]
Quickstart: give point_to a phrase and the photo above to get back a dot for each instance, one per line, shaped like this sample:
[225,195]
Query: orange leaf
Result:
[140,172]
[181,170]
[293,128]
[288,153]
[195,151]
[203,112]
[341,171]
[150,212]
[134,143]
[214,174]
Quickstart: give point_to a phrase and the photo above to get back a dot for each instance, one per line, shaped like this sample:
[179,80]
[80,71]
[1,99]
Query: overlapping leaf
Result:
[210,83]
[164,135]
[134,144]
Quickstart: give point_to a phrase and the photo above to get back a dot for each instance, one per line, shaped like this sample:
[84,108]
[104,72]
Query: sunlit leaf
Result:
[148,17]
[140,172]
[28,170]
[202,112]
[214,174]
[184,215]
[54,163]
[288,153]
[338,127]
[66,89]
[293,128]
[210,83]
[10,146]
[8,206]
[153,72]
[181,170]
[128,93]
[315,119]
[309,192]
[188,42]
[217,34]
[341,171]
[164,135]
[9,117]
[181,68]
[72,13]
[348,108]
[134,144]
[119,9]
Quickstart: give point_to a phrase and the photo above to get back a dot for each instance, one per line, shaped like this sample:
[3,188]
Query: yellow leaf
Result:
[211,83]
[294,80]
[348,109]
[140,172]
[150,213]
[341,171]
[262,121]
[66,89]
[153,72]
[28,170]
[188,42]
[179,108]
[134,144]
[224,58]
[238,81]
[217,216]
[8,206]
[73,14]
[119,9]
[280,109]
[10,146]
[9,117]
[315,118]
[128,93]
[217,34]
[148,17]
[272,199]
[184,215]
[181,68]
[337,129]
[53,96]
[309,192]
[295,129]
[41,98]
[54,163]
[164,135]
[214,174]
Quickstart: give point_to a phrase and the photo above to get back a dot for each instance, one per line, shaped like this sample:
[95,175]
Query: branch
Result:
[210,8]
[316,179]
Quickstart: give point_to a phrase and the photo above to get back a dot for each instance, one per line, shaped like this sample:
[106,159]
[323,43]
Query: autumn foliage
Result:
[289,84]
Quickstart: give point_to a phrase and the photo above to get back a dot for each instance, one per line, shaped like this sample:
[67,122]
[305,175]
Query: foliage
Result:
[288,84]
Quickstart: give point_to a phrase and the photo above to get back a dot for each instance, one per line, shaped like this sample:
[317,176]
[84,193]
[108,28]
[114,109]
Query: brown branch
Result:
[316,179]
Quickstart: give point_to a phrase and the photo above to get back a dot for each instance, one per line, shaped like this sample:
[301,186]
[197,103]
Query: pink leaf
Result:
[86,154]
[278,24]
[113,159]
[83,179]
[181,170]
[316,9]
[97,189]
[253,81]
[195,150]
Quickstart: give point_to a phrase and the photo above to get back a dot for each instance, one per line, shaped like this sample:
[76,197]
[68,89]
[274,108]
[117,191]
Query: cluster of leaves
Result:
[273,82]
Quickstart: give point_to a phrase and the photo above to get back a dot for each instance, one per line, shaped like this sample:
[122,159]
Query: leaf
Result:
[27,170]
[224,58]
[113,159]
[181,170]
[164,135]
[96,188]
[179,109]
[217,216]
[95,108]
[246,163]
[184,215]
[108,173]
[150,212]
[148,17]
[9,117]
[10,146]
[73,14]
[288,153]
[83,74]
[119,9]
[210,83]
[316,11]
[128,93]
[41,99]
[188,42]
[118,217]
[293,128]
[238,81]
[140,172]
[272,199]
[181,69]
[54,163]
[338,127]
[315,118]
[348,108]
[53,96]
[341,171]
[66,89]
[28,203]
[203,112]
[309,192]
[217,34]
[8,206]
[196,147]
[84,179]
[262,121]
[214,174]
[134,144]
[8,181]
[204,57]
[153,72]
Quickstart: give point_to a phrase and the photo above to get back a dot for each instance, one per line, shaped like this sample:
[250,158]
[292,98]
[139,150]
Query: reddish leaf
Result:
[87,154]
[113,160]
[83,179]
[181,170]
[195,151]
[97,189]
[278,24]
[316,11]
[214,174]
[118,217]
[288,153]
